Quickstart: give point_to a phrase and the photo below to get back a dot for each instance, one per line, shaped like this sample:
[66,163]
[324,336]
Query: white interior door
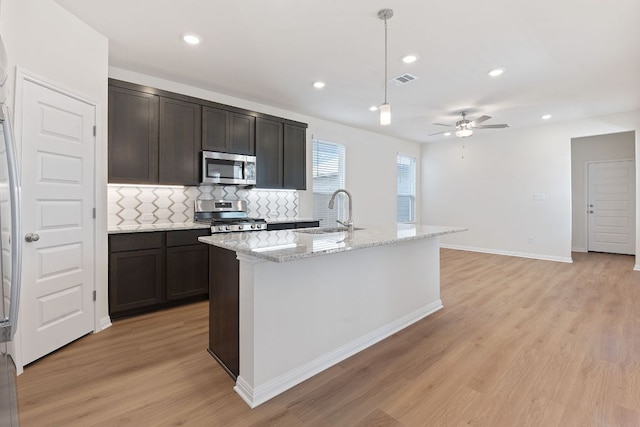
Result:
[611,207]
[58,146]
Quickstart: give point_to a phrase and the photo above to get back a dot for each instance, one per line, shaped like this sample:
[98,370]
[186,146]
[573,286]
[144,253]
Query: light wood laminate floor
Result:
[519,343]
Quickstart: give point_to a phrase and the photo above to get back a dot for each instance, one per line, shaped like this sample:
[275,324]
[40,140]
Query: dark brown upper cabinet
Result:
[280,155]
[295,157]
[227,131]
[133,136]
[155,137]
[269,153]
[180,127]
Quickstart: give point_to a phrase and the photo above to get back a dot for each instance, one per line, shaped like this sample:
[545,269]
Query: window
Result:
[328,176]
[406,176]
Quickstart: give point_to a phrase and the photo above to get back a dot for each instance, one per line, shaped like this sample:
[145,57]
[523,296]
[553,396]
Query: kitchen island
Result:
[308,299]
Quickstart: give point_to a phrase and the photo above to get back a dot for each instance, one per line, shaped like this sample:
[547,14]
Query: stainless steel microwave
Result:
[224,168]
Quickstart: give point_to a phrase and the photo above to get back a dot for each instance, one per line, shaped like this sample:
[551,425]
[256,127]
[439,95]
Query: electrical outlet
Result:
[530,239]
[147,217]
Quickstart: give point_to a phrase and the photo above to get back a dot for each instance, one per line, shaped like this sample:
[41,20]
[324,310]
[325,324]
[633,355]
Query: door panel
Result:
[611,207]
[58,198]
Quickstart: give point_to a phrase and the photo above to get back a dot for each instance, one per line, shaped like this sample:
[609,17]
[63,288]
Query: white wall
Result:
[617,146]
[370,157]
[47,41]
[491,190]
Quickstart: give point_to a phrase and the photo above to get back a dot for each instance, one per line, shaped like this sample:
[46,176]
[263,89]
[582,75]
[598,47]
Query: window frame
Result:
[412,195]
[326,216]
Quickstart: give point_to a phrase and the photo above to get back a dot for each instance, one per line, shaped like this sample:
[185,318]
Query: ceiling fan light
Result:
[385,114]
[463,133]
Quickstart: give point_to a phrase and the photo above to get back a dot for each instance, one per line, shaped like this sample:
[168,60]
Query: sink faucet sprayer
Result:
[349,222]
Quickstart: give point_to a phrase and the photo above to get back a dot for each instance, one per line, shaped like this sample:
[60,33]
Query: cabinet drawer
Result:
[135,241]
[281,226]
[186,237]
[307,224]
[291,225]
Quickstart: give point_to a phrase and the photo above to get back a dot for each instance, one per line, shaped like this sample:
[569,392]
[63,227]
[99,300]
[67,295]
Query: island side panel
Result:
[223,309]
[298,318]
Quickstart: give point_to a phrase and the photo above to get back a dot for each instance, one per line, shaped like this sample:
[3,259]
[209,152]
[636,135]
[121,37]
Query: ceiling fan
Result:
[464,128]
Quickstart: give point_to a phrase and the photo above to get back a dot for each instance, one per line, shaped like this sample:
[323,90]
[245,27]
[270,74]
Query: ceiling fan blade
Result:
[501,126]
[439,133]
[442,124]
[480,120]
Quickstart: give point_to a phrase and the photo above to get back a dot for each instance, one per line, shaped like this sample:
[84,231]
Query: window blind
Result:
[406,184]
[328,176]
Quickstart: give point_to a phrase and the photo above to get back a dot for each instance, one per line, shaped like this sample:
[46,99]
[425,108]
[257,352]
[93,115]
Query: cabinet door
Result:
[214,129]
[241,134]
[187,271]
[133,137]
[295,160]
[224,300]
[179,142]
[269,146]
[135,280]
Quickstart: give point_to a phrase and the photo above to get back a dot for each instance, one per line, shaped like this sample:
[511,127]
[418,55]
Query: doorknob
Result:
[31,237]
[590,206]
[589,212]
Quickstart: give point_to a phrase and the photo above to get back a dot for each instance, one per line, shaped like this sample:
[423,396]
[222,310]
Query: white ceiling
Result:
[568,58]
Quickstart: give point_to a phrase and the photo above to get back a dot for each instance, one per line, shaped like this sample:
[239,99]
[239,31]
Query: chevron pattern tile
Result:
[148,205]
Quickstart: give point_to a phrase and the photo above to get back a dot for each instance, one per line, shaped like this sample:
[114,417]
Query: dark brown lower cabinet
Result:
[152,270]
[291,225]
[187,271]
[135,279]
[224,326]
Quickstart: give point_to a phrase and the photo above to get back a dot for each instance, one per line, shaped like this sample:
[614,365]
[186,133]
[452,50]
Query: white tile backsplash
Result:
[127,204]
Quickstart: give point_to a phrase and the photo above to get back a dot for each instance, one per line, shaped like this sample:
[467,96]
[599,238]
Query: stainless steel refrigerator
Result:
[10,255]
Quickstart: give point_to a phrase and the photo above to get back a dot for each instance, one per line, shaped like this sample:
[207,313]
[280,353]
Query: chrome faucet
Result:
[349,222]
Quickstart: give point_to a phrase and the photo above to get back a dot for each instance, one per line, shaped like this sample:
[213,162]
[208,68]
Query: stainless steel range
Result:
[226,216]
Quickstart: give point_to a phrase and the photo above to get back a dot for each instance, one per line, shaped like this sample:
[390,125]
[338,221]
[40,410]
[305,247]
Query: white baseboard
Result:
[509,253]
[636,267]
[105,322]
[260,394]
[579,250]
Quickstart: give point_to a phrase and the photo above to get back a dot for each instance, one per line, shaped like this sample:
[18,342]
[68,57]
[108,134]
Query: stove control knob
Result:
[228,228]
[253,226]
[240,227]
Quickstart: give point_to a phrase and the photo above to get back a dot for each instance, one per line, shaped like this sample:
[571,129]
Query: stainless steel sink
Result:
[325,230]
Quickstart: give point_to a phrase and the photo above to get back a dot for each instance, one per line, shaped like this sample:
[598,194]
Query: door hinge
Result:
[94,295]
[94,130]
[94,213]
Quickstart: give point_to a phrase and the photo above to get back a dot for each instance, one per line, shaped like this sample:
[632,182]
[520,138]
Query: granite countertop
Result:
[289,245]
[141,228]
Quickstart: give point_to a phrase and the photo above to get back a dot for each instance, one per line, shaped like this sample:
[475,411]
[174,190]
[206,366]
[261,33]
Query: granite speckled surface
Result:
[141,228]
[290,245]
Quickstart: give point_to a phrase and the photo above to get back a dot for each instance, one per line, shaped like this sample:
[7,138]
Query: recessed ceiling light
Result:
[319,85]
[546,117]
[496,72]
[409,59]
[447,134]
[373,108]
[191,39]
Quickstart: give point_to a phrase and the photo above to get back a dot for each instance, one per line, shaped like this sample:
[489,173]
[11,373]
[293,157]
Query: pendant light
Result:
[385,109]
